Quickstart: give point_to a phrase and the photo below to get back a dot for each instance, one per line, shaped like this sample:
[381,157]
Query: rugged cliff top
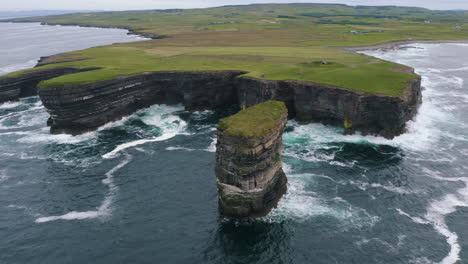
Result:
[274,42]
[254,122]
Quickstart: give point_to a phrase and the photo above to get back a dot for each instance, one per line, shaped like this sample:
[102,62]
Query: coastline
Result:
[130,30]
[330,104]
[394,44]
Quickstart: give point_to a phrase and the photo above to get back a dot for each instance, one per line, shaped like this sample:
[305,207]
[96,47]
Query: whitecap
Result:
[438,210]
[161,116]
[8,105]
[417,220]
[124,146]
[43,136]
[212,146]
[300,204]
[179,148]
[365,186]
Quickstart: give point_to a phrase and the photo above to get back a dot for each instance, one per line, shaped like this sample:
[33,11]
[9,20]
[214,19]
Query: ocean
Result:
[143,189]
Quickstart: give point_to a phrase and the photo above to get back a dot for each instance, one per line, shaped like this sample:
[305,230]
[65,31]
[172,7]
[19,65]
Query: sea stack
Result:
[248,161]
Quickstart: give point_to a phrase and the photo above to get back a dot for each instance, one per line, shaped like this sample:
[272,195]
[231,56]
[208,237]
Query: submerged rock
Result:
[248,160]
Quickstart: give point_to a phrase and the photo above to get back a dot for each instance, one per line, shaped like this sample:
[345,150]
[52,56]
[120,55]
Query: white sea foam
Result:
[179,148]
[365,186]
[415,219]
[301,204]
[43,136]
[124,146]
[389,246]
[161,116]
[438,210]
[8,105]
[212,146]
[104,210]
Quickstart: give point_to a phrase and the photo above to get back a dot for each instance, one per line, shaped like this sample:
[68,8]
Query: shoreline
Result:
[394,44]
[38,60]
[131,31]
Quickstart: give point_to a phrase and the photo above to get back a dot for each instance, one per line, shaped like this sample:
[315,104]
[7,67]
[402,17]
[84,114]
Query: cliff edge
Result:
[79,108]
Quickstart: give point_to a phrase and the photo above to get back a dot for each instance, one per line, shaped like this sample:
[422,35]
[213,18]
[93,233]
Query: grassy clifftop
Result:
[275,42]
[254,122]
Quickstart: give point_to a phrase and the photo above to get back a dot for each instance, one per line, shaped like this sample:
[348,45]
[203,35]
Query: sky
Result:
[165,4]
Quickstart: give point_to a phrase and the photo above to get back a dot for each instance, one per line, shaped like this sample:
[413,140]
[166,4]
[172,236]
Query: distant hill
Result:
[19,14]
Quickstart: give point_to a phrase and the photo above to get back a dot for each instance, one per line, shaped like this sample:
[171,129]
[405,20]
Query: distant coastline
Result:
[32,13]
[391,45]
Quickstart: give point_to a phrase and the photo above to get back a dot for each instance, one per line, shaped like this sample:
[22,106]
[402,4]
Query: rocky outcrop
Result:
[23,85]
[74,109]
[249,169]
[372,114]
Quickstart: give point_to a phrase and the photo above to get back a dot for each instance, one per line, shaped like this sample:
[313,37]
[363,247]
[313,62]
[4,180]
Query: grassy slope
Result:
[254,122]
[275,42]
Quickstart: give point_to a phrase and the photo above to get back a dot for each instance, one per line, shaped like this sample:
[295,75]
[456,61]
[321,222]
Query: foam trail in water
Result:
[430,126]
[439,209]
[121,147]
[8,105]
[161,116]
[104,209]
[179,148]
[301,204]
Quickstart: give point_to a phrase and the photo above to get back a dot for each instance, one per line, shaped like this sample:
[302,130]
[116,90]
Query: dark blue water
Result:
[143,189]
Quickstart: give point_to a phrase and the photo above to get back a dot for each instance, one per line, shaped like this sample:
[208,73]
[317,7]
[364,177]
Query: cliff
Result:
[354,110]
[248,161]
[13,88]
[78,109]
[75,109]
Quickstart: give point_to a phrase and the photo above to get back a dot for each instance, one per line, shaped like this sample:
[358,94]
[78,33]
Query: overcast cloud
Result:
[164,4]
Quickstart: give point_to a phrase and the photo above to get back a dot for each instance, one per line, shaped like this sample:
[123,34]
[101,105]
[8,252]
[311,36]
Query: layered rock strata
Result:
[354,110]
[249,168]
[13,88]
[74,109]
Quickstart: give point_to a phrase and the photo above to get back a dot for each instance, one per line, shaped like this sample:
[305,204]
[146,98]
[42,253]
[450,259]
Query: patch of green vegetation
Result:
[344,22]
[327,64]
[347,124]
[269,41]
[254,122]
[273,63]
[277,157]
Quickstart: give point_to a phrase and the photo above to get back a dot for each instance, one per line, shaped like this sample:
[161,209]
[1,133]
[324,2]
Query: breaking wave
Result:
[161,116]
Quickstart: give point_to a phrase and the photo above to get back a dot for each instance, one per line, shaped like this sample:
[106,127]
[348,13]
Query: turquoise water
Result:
[142,189]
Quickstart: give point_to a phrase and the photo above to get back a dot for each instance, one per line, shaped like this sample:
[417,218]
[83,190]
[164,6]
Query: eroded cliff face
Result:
[81,108]
[249,172]
[24,85]
[312,102]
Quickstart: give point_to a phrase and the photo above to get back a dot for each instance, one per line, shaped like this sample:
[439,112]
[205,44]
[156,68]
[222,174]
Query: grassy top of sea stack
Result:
[254,122]
[297,42]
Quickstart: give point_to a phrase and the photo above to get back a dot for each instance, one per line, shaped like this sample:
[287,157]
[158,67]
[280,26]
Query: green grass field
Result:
[274,42]
[254,122]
